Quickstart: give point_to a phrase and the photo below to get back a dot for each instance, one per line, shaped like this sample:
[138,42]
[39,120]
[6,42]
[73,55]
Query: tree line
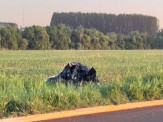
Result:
[62,37]
[106,23]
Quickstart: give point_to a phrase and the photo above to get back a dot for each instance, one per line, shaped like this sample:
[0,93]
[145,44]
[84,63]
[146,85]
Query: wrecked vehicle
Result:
[75,73]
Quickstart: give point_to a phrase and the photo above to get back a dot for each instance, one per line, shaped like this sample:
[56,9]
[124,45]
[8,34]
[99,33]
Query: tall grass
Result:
[22,96]
[127,76]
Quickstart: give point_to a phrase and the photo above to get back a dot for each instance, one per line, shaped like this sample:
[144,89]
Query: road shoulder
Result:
[84,111]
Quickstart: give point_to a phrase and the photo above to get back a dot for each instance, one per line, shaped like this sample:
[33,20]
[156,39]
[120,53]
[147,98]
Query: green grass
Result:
[126,76]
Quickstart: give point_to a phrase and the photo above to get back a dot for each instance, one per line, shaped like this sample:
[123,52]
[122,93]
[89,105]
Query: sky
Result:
[39,12]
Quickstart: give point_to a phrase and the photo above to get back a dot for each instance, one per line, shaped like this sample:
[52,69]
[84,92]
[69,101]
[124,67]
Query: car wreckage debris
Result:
[75,73]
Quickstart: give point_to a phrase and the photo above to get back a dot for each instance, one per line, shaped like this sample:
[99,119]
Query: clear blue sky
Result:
[39,12]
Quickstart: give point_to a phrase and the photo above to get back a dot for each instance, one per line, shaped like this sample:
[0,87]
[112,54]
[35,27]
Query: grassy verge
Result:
[23,96]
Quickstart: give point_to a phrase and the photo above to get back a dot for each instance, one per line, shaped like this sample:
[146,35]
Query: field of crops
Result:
[126,76]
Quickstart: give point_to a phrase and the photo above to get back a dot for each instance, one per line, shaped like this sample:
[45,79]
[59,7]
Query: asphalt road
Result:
[150,114]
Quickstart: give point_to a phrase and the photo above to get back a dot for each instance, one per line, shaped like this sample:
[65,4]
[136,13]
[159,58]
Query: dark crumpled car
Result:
[75,73]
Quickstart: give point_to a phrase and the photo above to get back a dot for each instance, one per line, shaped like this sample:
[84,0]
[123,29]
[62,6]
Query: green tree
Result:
[86,42]
[75,40]
[63,36]
[41,38]
[112,37]
[53,38]
[28,34]
[37,38]
[103,41]
[0,41]
[59,36]
[95,43]
[8,38]
[158,43]
[120,42]
[23,44]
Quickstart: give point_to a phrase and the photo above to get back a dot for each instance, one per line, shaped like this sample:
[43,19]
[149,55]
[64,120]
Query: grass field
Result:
[126,76]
